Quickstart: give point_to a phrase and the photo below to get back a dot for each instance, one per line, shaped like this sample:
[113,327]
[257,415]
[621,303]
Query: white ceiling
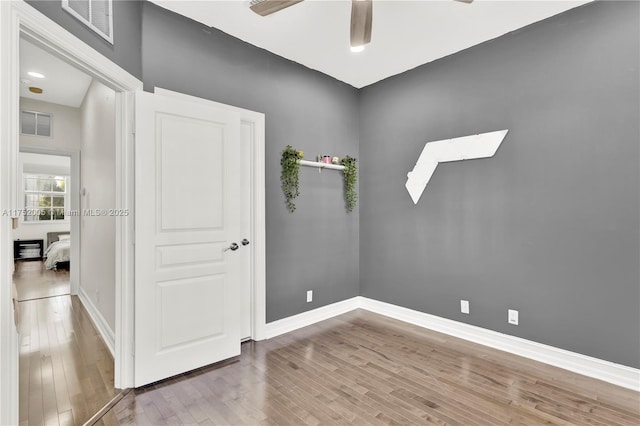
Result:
[405,34]
[62,84]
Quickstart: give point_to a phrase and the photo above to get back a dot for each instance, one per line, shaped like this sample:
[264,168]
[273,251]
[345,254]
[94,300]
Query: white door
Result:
[247,139]
[190,190]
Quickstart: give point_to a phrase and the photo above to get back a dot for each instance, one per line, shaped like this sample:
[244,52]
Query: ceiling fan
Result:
[361,17]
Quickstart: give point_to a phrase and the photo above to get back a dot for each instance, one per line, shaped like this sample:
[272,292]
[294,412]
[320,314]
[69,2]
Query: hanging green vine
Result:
[289,176]
[350,179]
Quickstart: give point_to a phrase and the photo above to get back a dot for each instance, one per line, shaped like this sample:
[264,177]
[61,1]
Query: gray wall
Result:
[125,50]
[550,225]
[315,248]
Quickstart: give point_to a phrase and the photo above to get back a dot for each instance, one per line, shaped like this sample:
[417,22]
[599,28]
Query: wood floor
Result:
[365,369]
[33,281]
[66,371]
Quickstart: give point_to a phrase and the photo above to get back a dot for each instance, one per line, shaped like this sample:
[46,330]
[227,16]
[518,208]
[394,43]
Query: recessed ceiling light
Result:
[36,90]
[357,49]
[35,74]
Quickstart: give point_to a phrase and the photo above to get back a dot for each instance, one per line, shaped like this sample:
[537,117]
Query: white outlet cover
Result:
[464,306]
[513,317]
[309,296]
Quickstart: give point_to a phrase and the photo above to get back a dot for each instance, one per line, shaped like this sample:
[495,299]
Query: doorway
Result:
[66,330]
[18,19]
[42,240]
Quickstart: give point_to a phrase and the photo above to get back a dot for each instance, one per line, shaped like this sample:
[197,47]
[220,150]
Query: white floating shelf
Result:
[320,165]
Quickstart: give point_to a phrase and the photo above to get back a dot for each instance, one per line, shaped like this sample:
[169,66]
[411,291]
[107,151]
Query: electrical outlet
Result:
[464,306]
[309,296]
[513,317]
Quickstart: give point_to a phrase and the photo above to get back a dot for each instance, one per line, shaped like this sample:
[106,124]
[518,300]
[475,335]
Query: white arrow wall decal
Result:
[483,145]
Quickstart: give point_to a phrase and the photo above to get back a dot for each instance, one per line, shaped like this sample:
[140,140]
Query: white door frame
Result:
[18,19]
[74,205]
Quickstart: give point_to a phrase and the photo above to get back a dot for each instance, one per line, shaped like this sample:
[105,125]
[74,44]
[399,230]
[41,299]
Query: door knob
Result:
[245,242]
[232,247]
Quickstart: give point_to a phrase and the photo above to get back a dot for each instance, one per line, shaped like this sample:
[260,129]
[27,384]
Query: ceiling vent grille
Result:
[96,14]
[35,123]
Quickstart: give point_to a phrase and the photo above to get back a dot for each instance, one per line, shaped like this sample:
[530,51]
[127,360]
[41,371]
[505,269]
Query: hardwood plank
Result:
[35,414]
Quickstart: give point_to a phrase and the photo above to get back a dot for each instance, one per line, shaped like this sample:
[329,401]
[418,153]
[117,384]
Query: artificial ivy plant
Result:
[291,169]
[350,179]
[289,176]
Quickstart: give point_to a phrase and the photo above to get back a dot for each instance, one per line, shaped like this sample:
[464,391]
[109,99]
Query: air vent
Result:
[35,123]
[96,14]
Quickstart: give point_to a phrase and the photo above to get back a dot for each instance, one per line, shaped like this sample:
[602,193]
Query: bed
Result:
[58,252]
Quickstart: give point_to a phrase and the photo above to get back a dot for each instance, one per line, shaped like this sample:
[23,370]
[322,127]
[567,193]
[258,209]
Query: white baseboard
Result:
[616,374]
[313,316]
[107,334]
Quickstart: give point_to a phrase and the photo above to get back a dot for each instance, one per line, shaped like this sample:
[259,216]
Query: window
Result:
[96,14]
[44,197]
[35,123]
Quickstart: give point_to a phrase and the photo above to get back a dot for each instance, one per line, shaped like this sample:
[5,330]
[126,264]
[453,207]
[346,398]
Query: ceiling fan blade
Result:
[267,7]
[465,1]
[361,14]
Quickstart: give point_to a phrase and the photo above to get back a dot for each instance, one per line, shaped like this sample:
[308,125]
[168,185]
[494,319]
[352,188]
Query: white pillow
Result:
[64,237]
